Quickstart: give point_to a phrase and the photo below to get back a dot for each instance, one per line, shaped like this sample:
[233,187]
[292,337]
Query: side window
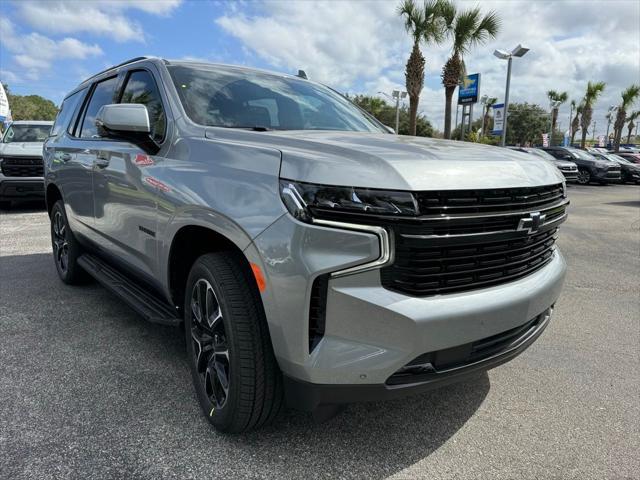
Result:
[142,88]
[66,112]
[102,95]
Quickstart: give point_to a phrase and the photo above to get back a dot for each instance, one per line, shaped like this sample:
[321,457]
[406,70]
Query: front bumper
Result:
[309,396]
[372,332]
[21,187]
[607,176]
[570,175]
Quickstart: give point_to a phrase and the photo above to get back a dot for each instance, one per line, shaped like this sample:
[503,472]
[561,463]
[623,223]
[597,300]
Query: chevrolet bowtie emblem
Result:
[532,223]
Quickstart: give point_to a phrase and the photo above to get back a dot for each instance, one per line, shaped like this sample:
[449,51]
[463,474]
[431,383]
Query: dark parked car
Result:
[629,172]
[630,156]
[590,169]
[567,168]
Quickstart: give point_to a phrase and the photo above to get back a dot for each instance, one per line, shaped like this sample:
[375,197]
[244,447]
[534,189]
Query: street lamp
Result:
[612,108]
[483,101]
[519,51]
[397,95]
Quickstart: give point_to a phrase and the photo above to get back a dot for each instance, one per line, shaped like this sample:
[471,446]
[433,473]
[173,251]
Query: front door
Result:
[124,198]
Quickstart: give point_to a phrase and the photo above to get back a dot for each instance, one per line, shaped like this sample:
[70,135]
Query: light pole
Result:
[612,108]
[519,51]
[398,94]
[483,101]
[552,106]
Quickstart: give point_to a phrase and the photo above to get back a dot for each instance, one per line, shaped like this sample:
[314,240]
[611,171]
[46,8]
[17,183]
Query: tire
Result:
[66,249]
[584,176]
[234,371]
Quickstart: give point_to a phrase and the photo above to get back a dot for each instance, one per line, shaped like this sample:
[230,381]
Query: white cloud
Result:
[105,18]
[35,53]
[363,45]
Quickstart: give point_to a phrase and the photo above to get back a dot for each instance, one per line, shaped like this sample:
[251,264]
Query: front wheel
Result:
[66,249]
[584,176]
[234,371]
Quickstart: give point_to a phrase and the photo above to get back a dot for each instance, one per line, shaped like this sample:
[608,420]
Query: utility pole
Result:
[593,134]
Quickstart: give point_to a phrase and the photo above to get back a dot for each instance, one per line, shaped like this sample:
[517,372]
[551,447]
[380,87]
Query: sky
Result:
[357,46]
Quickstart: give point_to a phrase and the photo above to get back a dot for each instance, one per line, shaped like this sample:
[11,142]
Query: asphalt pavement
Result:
[90,390]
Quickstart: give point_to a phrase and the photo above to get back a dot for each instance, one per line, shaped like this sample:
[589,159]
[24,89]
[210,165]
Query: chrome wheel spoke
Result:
[211,354]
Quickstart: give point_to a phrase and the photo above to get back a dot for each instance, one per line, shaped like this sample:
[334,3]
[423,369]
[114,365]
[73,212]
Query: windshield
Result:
[618,159]
[236,98]
[26,133]
[542,154]
[582,154]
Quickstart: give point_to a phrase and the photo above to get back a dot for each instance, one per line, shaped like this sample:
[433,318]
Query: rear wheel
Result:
[235,374]
[584,176]
[66,249]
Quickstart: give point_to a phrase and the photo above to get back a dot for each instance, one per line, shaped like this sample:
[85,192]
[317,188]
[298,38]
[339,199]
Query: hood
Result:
[30,149]
[563,163]
[378,160]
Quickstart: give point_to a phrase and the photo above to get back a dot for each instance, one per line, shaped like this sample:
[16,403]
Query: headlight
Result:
[306,200]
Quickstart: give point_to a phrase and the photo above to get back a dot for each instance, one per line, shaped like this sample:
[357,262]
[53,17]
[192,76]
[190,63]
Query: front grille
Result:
[488,201]
[432,364]
[461,252]
[22,167]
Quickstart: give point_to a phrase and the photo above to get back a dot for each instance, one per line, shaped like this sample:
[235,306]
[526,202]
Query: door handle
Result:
[66,157]
[101,160]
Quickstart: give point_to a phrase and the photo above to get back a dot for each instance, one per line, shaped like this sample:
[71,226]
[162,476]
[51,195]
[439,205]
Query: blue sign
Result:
[498,119]
[469,89]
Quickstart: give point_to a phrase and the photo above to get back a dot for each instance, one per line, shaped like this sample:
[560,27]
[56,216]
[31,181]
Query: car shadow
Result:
[23,206]
[119,387]
[631,203]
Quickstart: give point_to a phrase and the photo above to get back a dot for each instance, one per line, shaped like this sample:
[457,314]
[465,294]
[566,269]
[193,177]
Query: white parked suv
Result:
[21,171]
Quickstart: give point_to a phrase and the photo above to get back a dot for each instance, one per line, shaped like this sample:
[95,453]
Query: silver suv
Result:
[313,258]
[21,169]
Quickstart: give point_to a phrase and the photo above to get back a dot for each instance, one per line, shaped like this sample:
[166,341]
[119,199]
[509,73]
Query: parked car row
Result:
[594,165]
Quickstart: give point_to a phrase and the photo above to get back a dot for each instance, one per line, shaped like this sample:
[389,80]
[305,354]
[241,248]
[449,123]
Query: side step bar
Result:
[149,306]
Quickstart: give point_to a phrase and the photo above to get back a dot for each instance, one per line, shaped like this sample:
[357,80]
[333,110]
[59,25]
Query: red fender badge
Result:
[143,160]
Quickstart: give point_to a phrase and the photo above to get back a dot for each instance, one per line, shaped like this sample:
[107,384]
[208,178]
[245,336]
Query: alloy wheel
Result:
[60,243]
[210,347]
[584,177]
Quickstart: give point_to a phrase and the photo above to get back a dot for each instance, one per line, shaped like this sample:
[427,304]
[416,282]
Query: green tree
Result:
[559,97]
[629,96]
[488,124]
[575,123]
[30,107]
[594,90]
[527,123]
[425,25]
[467,28]
[386,114]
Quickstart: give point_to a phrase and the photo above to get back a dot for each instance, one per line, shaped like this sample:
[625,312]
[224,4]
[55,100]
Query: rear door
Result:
[124,192]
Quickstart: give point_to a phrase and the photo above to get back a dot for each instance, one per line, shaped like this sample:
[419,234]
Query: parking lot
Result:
[89,390]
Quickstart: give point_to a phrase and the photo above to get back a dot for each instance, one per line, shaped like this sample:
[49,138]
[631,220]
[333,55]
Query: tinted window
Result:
[238,98]
[66,112]
[102,95]
[141,88]
[26,133]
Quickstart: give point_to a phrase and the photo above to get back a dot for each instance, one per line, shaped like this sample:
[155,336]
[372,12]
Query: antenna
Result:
[302,74]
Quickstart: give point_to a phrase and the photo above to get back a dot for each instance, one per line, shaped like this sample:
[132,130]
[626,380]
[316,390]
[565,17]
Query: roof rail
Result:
[136,59]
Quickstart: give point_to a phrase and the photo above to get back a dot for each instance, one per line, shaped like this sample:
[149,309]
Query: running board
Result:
[149,306]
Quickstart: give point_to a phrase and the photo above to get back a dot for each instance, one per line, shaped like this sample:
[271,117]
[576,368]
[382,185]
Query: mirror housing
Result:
[126,121]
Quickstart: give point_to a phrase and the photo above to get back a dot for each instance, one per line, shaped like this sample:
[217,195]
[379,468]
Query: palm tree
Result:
[467,29]
[631,125]
[629,96]
[575,123]
[424,25]
[558,98]
[591,95]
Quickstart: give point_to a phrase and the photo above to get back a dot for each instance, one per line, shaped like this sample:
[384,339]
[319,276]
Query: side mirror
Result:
[126,121]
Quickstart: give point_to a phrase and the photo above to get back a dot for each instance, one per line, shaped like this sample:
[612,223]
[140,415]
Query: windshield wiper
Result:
[255,128]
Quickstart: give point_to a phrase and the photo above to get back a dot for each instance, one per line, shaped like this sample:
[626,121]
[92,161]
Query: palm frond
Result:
[629,96]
